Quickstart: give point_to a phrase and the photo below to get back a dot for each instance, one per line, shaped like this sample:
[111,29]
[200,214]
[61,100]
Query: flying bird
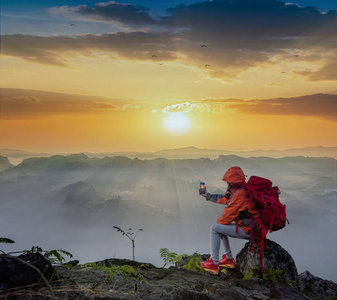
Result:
[202,46]
[72,24]
[207,65]
[154,55]
[296,55]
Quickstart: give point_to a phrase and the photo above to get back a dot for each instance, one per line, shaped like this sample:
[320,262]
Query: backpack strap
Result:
[251,233]
[261,255]
[230,198]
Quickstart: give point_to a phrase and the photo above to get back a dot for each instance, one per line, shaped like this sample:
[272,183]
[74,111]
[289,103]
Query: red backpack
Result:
[273,212]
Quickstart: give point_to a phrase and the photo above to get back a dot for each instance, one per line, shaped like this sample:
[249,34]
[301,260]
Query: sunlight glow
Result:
[176,123]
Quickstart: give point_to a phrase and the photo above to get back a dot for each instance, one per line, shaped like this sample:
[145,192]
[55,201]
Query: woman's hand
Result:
[203,192]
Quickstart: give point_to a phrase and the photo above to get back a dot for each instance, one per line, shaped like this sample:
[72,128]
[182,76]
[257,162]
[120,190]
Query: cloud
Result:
[17,104]
[318,105]
[187,107]
[220,18]
[53,50]
[239,35]
[197,107]
[244,34]
[253,18]
[326,72]
[127,14]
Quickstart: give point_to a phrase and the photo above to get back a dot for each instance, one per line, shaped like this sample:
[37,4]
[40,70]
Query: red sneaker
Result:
[210,267]
[227,263]
[222,260]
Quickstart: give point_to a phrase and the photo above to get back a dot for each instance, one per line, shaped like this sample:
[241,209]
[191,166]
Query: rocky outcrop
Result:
[274,256]
[317,288]
[81,282]
[115,279]
[24,274]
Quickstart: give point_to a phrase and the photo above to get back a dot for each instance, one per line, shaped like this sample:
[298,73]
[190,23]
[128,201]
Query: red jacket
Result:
[238,203]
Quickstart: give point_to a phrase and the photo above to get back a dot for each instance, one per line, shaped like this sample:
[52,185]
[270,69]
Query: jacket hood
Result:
[234,176]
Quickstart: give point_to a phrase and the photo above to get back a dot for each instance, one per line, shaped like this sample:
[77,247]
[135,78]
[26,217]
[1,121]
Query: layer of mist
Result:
[72,202]
[17,156]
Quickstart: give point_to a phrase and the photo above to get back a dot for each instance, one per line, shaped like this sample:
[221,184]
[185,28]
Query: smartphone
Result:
[202,188]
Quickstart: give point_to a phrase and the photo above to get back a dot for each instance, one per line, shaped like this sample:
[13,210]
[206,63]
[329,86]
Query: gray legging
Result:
[226,231]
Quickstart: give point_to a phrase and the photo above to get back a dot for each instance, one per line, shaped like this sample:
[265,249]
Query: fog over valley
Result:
[73,201]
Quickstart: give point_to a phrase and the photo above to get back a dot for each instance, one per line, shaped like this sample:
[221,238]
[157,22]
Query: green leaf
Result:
[193,261]
[58,256]
[168,257]
[34,249]
[270,275]
[248,276]
[163,252]
[278,272]
[65,253]
[6,241]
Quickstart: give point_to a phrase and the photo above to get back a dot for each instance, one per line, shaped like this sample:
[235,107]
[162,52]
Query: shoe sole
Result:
[214,272]
[228,266]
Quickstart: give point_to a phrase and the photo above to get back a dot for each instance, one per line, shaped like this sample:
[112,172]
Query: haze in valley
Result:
[73,201]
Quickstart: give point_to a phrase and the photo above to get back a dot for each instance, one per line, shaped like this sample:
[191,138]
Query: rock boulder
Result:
[274,256]
[316,287]
[24,273]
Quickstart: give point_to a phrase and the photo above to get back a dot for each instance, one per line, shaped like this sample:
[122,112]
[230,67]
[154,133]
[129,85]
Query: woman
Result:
[234,222]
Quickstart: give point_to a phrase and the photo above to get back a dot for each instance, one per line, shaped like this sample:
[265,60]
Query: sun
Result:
[176,123]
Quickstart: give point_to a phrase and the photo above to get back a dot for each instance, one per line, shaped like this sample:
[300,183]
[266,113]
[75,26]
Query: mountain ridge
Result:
[191,152]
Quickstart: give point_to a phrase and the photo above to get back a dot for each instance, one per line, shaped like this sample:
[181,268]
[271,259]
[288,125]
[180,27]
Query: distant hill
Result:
[17,156]
[20,153]
[78,196]
[4,163]
[193,152]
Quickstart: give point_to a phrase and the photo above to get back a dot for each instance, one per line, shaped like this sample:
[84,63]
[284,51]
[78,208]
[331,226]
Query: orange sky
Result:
[110,83]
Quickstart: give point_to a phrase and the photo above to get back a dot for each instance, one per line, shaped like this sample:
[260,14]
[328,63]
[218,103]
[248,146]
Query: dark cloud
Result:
[52,50]
[317,105]
[243,34]
[111,11]
[240,18]
[18,104]
[261,18]
[239,35]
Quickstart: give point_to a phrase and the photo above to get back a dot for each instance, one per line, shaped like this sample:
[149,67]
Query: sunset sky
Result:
[145,75]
